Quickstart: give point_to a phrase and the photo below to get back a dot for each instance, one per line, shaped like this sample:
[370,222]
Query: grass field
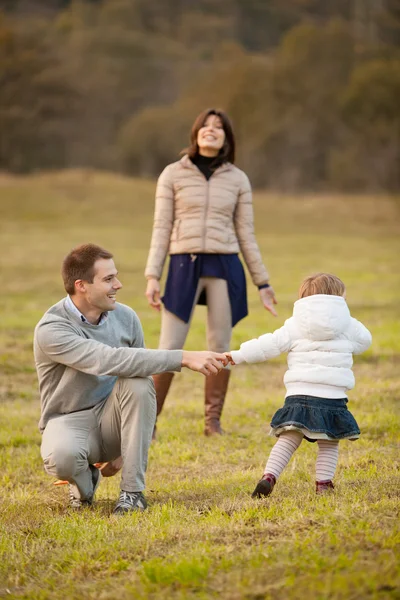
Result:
[203,536]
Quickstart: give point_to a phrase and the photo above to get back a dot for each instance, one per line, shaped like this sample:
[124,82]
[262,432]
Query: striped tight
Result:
[286,446]
[282,452]
[328,454]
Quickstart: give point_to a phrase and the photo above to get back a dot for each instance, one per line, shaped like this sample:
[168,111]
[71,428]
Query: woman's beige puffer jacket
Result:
[193,215]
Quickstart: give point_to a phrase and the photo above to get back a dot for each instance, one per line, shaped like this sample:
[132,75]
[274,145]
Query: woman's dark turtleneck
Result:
[206,164]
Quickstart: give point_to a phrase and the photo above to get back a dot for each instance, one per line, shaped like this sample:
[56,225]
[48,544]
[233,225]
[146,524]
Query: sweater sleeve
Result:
[266,346]
[244,226]
[62,344]
[162,226]
[359,335]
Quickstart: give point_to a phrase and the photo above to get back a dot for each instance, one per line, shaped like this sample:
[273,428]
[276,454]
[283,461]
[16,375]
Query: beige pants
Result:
[219,319]
[122,425]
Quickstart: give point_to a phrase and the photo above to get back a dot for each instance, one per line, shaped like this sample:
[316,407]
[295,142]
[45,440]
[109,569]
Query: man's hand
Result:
[229,357]
[208,363]
[153,293]
[111,468]
[267,296]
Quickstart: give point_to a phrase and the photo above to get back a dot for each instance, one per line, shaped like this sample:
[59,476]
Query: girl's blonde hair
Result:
[322,283]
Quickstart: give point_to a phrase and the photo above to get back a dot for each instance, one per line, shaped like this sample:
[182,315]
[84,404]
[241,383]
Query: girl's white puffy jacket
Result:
[320,338]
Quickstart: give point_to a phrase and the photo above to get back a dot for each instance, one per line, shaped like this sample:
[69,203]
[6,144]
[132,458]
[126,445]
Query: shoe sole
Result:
[125,511]
[322,492]
[263,488]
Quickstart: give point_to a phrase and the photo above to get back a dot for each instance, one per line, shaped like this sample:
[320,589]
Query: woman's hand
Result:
[268,299]
[153,293]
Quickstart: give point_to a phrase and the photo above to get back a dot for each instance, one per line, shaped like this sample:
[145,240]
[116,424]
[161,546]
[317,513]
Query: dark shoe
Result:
[130,502]
[265,486]
[321,487]
[75,500]
[215,391]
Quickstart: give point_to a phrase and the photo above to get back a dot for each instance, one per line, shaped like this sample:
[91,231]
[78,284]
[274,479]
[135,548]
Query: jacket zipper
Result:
[206,213]
[207,202]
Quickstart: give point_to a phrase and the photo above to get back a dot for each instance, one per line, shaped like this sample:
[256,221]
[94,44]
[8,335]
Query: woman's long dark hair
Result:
[227,152]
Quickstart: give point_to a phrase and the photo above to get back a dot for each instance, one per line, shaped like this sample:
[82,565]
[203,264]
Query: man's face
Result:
[101,293]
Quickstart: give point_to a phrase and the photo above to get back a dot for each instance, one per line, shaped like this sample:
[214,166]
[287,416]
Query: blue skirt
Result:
[183,277]
[317,418]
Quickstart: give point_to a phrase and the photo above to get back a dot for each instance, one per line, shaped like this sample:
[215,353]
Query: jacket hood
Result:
[321,317]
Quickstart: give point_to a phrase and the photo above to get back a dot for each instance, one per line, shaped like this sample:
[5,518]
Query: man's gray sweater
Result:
[78,363]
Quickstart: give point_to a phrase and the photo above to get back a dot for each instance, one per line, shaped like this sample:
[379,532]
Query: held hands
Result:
[206,362]
[267,296]
[153,293]
[229,357]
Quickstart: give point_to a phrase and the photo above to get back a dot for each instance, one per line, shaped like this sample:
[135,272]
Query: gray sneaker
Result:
[75,500]
[130,502]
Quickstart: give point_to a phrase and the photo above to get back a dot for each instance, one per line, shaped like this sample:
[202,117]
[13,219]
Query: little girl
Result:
[320,339]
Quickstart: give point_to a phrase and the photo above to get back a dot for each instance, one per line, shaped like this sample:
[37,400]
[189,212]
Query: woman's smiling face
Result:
[211,136]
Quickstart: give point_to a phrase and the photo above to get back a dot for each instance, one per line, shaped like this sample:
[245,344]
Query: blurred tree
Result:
[154,138]
[164,131]
[35,103]
[287,71]
[389,23]
[158,16]
[117,69]
[365,19]
[369,154]
[293,106]
[38,7]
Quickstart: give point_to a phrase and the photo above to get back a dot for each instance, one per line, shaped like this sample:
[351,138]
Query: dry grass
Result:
[203,536]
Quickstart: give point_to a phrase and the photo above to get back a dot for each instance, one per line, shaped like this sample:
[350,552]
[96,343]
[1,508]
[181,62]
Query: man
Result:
[97,397]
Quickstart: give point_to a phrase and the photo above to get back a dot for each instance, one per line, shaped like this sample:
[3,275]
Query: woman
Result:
[203,216]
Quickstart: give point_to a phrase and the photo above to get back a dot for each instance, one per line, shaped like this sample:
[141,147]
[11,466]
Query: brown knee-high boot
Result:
[162,383]
[215,391]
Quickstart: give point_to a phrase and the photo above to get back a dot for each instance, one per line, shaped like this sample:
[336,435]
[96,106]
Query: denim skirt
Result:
[316,418]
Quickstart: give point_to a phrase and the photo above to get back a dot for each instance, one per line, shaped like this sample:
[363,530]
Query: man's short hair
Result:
[79,264]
